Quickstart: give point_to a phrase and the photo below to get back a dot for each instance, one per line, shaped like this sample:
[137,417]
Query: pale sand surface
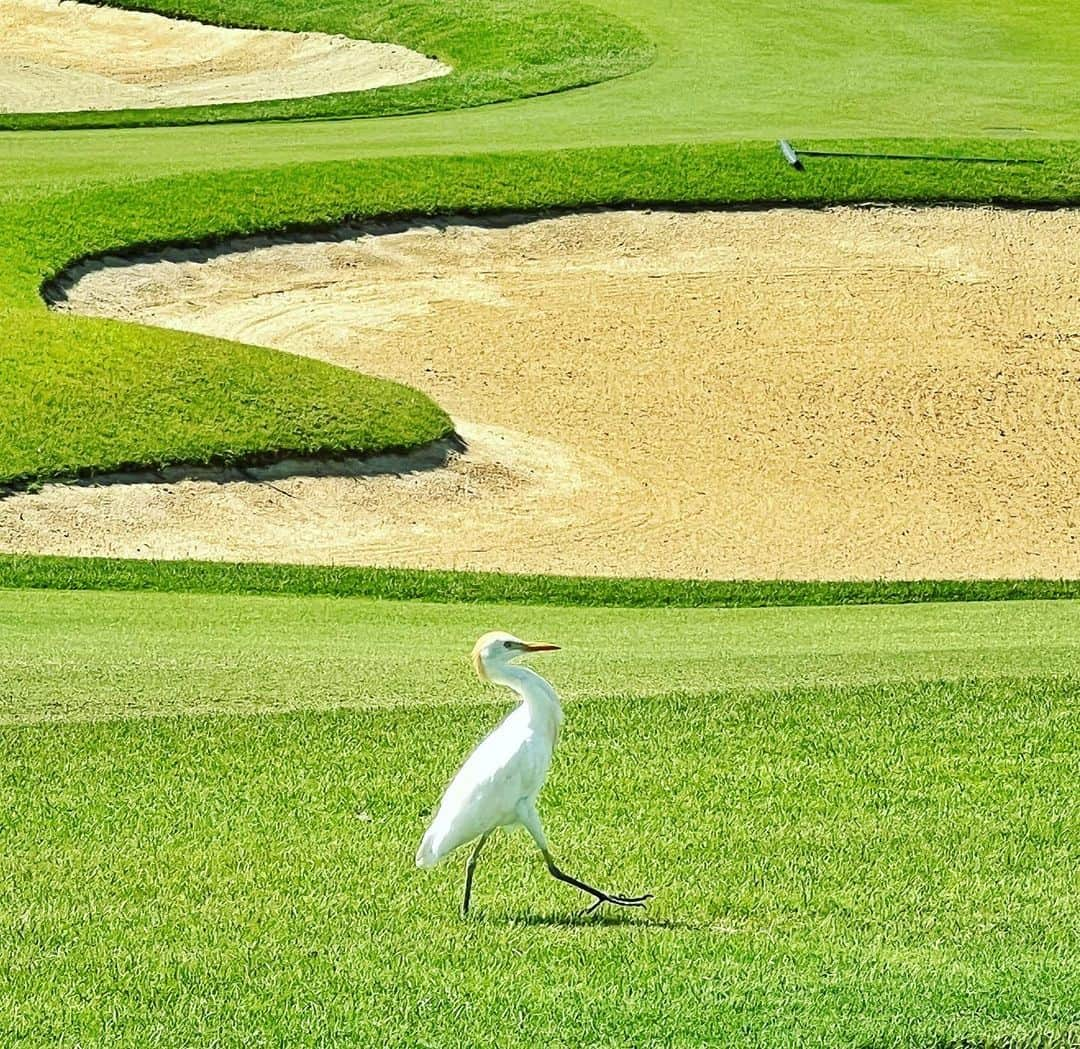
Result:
[859,392]
[76,56]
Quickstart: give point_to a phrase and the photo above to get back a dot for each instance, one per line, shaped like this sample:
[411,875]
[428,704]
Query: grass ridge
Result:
[20,572]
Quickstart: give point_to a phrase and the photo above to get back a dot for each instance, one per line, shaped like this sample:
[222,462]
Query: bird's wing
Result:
[484,794]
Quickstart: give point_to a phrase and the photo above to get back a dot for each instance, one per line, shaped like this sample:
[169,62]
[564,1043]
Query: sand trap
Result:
[844,393]
[75,56]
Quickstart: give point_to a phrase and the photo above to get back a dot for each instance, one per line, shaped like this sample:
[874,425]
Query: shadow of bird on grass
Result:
[610,919]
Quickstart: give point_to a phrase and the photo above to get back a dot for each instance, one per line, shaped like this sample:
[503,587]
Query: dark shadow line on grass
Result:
[265,468]
[609,919]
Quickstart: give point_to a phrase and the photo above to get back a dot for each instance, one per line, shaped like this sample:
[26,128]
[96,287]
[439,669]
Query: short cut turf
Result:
[860,825]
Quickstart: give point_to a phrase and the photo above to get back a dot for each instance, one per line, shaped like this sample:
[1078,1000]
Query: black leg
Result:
[530,820]
[470,866]
[600,897]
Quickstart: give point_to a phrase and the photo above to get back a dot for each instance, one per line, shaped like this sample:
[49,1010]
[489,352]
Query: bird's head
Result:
[497,649]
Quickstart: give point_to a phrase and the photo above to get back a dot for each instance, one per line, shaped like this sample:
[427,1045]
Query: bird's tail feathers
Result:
[429,853]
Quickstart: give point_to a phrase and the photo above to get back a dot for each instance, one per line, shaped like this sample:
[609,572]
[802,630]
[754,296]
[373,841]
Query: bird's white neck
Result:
[535,692]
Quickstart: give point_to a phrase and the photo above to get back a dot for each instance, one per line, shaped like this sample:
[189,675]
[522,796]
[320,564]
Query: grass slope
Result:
[21,572]
[87,396]
[860,824]
[737,69]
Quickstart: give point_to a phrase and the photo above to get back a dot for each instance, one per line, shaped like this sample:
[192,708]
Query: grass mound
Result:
[93,396]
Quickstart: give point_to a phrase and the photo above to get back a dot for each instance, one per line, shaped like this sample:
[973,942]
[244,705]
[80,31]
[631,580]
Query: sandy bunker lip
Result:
[60,56]
[805,394]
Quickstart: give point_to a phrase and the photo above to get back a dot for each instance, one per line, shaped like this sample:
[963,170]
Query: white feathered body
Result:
[504,772]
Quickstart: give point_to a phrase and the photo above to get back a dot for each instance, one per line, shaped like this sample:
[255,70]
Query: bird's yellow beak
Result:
[539,646]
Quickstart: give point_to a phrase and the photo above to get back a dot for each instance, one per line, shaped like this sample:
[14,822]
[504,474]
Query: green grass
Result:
[23,572]
[177,400]
[498,50]
[742,69]
[86,656]
[860,823]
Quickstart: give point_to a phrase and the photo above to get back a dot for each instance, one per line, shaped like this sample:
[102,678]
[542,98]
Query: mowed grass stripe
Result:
[19,571]
[88,656]
[884,864]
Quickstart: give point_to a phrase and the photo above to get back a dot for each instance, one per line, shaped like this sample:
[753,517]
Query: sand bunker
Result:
[75,56]
[843,393]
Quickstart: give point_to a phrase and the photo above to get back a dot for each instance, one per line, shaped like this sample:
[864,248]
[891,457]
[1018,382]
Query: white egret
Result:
[500,780]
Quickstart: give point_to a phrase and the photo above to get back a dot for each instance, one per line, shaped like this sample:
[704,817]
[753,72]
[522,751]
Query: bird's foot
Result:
[618,901]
